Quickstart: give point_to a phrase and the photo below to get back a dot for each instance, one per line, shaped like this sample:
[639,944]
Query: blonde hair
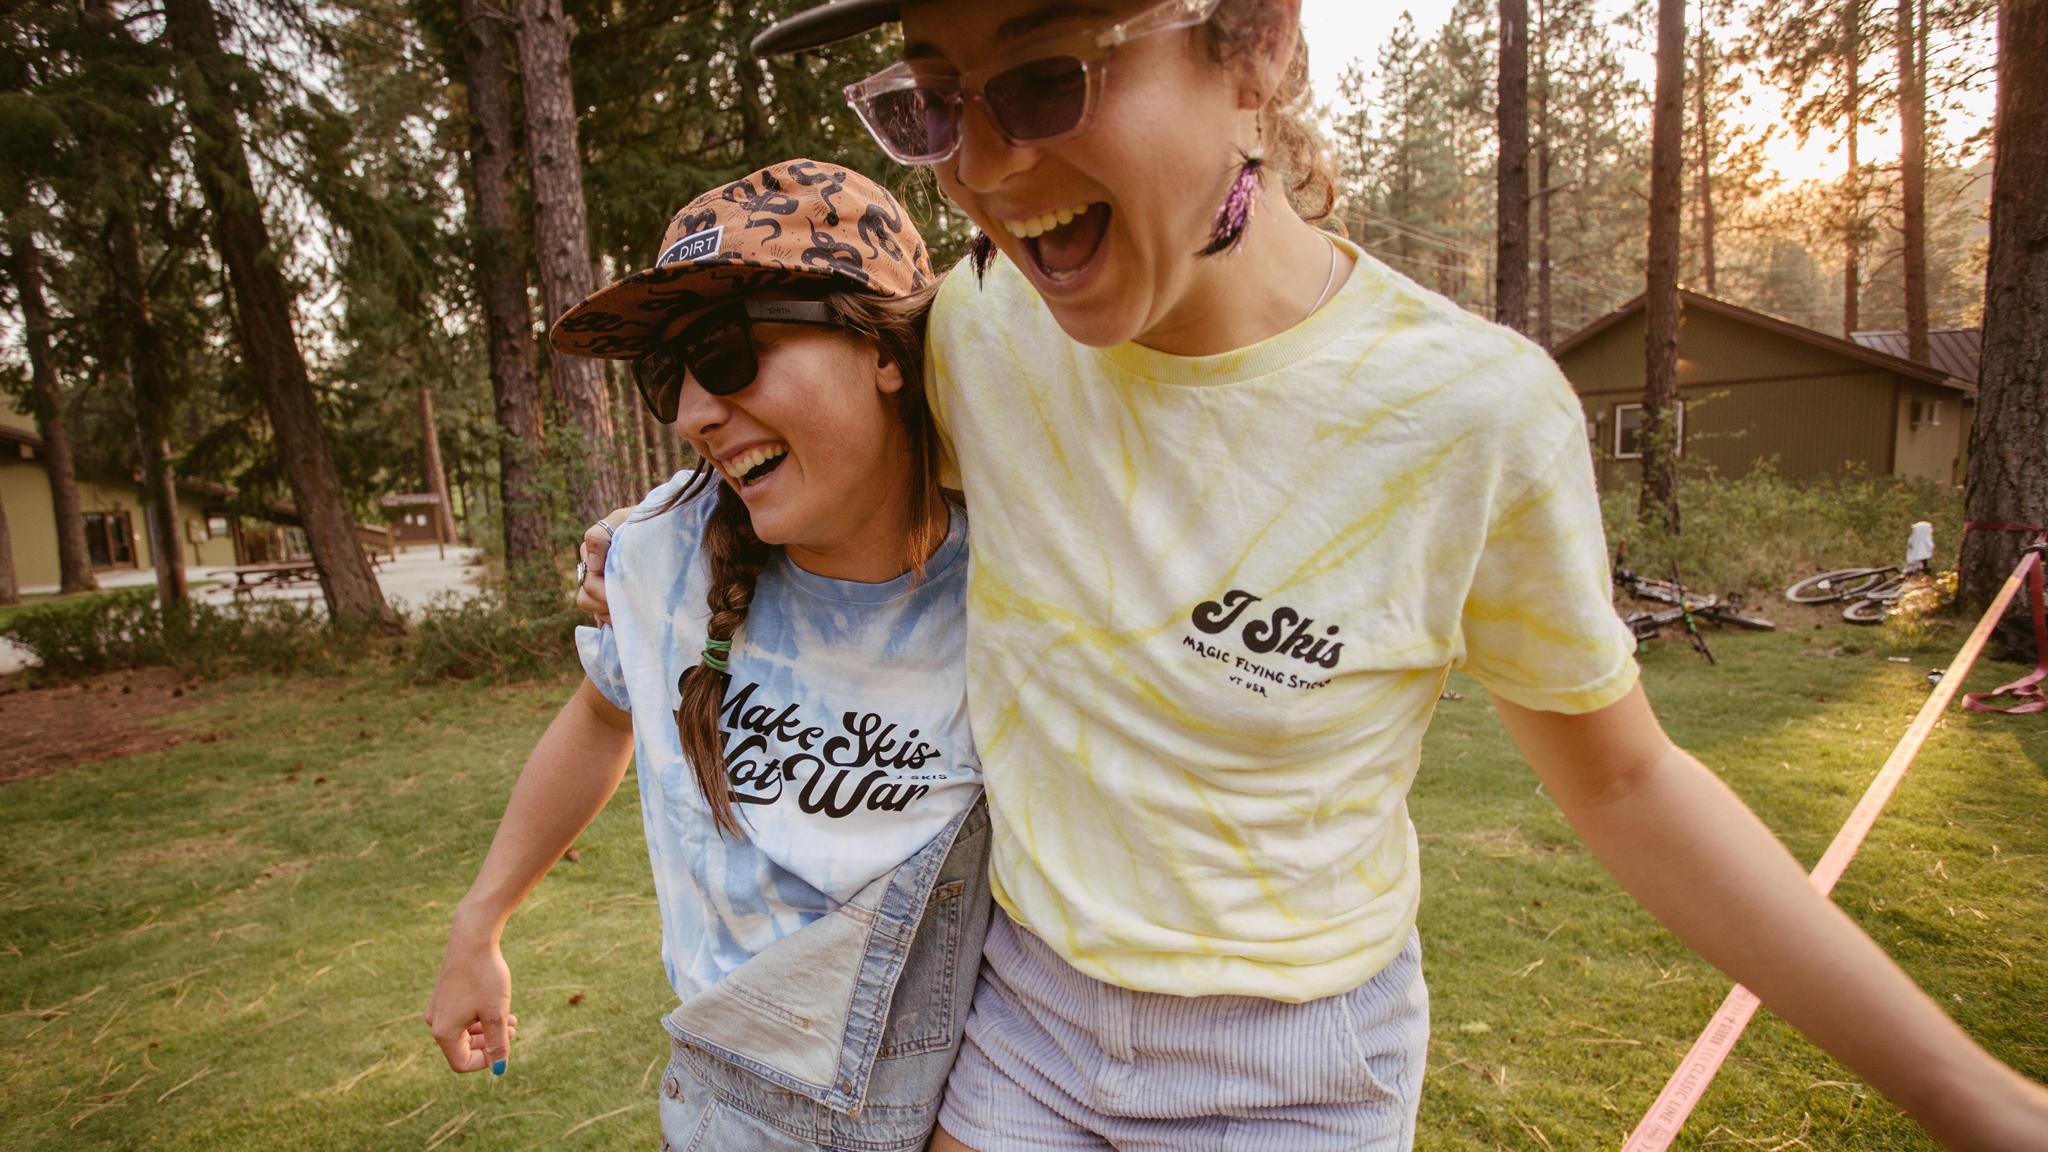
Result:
[1294,147]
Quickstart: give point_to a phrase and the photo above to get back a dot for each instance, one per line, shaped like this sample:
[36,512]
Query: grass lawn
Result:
[227,944]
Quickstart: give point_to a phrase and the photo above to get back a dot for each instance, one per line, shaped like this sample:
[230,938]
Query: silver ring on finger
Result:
[607,528]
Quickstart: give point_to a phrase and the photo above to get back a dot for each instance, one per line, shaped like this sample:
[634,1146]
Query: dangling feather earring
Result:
[983,253]
[1234,215]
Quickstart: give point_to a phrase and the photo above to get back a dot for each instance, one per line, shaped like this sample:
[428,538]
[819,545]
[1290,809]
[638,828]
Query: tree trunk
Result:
[74,563]
[1511,257]
[1852,217]
[151,394]
[10,589]
[500,261]
[1659,441]
[430,461]
[1913,181]
[650,435]
[263,304]
[2009,438]
[1546,322]
[562,244]
[1705,128]
[631,463]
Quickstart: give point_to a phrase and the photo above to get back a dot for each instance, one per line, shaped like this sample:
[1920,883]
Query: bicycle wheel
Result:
[1725,615]
[1840,584]
[1867,611]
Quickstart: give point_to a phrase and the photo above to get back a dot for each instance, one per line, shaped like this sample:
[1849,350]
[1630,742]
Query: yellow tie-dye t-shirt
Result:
[1213,601]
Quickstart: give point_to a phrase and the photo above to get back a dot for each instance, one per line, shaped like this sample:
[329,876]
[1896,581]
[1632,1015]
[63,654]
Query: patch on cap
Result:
[695,246]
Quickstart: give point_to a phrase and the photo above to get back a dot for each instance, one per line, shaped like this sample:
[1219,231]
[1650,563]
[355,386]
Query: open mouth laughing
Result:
[1062,243]
[753,465]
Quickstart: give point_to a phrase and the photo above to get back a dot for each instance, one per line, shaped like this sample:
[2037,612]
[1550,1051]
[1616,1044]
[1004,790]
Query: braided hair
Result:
[737,556]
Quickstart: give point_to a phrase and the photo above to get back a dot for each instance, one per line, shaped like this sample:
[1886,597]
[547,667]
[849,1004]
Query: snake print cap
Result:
[799,225]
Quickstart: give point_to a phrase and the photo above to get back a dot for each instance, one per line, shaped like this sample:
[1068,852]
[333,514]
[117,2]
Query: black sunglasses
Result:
[717,350]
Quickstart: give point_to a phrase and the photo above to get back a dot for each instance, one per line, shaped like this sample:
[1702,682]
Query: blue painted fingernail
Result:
[498,1069]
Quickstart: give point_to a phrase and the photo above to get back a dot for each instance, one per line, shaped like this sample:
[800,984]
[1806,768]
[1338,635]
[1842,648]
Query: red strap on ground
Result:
[1688,1084]
[2027,688]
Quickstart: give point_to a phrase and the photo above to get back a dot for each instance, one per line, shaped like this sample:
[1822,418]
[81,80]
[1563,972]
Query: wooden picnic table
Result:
[276,574]
[285,573]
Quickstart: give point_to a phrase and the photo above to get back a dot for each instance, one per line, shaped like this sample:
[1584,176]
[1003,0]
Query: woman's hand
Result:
[1691,853]
[470,1011]
[596,542]
[572,772]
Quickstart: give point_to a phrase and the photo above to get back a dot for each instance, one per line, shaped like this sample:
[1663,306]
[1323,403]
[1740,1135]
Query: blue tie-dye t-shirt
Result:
[845,725]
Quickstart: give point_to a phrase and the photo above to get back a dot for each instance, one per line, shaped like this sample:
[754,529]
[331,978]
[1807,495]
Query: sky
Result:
[1341,31]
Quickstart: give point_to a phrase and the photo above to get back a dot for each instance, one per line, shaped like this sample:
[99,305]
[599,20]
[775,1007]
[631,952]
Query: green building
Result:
[116,533]
[1753,387]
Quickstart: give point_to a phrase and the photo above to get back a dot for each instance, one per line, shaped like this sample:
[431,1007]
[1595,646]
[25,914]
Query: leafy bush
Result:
[75,638]
[1759,533]
[494,636]
[126,629]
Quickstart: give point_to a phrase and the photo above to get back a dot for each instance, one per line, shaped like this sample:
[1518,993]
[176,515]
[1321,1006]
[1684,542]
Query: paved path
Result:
[416,576]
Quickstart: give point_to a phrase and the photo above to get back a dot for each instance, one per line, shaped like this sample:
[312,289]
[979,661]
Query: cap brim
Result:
[825,24]
[623,320]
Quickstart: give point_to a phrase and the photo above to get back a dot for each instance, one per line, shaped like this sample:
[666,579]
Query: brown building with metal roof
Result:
[1755,388]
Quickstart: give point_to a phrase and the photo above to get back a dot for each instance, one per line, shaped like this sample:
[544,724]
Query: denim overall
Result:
[839,1036]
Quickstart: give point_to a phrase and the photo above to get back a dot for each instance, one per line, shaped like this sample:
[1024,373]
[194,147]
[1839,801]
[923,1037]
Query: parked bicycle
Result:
[1868,595]
[1686,607]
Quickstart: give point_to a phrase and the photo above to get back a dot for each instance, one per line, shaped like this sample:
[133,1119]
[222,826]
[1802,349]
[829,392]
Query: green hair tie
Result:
[716,662]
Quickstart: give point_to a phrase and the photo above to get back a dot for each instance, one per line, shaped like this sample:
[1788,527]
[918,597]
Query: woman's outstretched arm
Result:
[567,780]
[1689,850]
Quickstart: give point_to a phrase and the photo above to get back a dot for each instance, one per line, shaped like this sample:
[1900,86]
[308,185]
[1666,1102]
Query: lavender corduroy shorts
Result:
[1054,1059]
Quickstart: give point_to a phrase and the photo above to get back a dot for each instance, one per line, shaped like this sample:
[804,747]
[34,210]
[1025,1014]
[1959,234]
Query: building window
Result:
[109,540]
[1628,431]
[1926,413]
[216,527]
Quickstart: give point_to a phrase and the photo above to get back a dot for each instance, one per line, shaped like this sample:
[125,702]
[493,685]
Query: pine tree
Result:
[1511,257]
[1727,166]
[211,78]
[1591,157]
[2008,479]
[1661,307]
[498,244]
[1816,53]
[562,246]
[1912,53]
[10,589]
[24,271]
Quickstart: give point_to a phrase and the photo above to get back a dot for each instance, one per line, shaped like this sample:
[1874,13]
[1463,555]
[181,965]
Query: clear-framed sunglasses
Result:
[1044,98]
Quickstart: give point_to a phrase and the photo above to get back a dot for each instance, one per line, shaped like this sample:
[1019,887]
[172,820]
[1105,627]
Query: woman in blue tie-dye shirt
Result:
[808,782]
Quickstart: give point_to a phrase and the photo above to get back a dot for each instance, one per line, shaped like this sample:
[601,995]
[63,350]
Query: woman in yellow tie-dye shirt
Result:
[1243,497]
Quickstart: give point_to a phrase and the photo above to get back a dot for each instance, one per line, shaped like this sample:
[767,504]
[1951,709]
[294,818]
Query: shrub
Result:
[495,636]
[75,638]
[127,629]
[1760,532]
